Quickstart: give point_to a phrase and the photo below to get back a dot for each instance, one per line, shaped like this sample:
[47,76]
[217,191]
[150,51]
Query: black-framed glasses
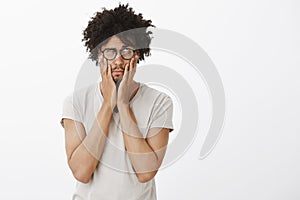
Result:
[111,53]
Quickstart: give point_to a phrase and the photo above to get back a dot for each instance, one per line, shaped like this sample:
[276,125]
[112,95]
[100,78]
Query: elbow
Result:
[143,178]
[80,174]
[81,177]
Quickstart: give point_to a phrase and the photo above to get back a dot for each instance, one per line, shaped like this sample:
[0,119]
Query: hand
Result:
[107,85]
[126,87]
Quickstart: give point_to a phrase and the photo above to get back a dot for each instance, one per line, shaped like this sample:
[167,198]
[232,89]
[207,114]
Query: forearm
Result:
[143,158]
[86,156]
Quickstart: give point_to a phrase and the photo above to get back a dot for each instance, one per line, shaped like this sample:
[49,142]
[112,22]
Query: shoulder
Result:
[80,95]
[152,94]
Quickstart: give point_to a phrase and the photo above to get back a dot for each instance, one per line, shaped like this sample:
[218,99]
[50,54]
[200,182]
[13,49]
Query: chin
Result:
[118,78]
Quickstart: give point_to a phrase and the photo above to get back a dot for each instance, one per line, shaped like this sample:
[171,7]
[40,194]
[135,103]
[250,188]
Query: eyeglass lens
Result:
[111,54]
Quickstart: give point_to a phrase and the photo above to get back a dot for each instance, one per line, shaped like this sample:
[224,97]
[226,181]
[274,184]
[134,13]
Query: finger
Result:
[127,67]
[126,72]
[132,67]
[101,64]
[135,62]
[135,58]
[106,66]
[109,73]
[131,63]
[103,74]
[109,70]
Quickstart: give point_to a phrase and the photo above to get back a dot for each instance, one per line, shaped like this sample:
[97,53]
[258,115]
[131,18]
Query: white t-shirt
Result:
[114,177]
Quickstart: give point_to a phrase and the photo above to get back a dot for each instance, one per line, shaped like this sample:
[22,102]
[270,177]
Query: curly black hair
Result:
[123,22]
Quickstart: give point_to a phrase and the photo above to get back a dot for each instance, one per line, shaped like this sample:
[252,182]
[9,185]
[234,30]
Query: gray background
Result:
[255,46]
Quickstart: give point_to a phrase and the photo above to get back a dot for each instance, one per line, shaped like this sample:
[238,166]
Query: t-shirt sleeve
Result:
[162,113]
[70,110]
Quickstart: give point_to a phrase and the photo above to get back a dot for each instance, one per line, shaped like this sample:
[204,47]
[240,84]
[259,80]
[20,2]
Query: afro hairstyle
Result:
[123,22]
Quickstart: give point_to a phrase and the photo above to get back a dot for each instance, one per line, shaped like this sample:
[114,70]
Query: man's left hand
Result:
[126,87]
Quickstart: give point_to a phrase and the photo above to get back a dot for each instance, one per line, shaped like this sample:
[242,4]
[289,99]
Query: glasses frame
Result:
[116,53]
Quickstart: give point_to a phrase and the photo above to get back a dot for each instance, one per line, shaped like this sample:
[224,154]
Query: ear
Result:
[99,53]
[139,54]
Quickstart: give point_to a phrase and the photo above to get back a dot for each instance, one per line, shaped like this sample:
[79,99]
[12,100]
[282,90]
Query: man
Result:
[116,131]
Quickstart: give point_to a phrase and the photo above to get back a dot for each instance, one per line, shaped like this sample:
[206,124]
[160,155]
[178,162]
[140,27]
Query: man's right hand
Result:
[107,85]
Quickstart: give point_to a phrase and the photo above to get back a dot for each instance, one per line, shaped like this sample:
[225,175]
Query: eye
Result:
[126,50]
[109,53]
[127,53]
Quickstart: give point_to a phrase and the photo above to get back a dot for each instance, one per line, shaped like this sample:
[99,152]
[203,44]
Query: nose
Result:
[118,62]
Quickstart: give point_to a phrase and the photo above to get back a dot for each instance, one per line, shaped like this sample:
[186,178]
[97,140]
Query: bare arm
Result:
[146,155]
[84,151]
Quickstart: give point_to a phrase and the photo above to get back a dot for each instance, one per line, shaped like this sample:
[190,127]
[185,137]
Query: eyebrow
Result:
[125,46]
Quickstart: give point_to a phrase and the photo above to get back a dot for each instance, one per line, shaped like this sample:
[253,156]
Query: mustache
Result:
[119,68]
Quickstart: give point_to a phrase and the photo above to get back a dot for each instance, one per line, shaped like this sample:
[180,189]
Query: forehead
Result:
[115,42]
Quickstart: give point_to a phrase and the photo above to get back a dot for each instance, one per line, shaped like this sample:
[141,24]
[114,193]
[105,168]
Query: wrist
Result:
[123,106]
[107,105]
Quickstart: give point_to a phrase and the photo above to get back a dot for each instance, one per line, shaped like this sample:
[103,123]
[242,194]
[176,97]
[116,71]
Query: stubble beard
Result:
[117,78]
